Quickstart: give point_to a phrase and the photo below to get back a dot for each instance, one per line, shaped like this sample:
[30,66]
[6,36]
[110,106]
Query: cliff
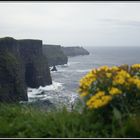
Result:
[12,85]
[22,64]
[36,66]
[74,51]
[55,55]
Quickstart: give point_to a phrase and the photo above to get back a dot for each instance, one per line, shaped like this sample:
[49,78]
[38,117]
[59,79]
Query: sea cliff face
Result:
[54,55]
[36,66]
[12,85]
[74,51]
[22,64]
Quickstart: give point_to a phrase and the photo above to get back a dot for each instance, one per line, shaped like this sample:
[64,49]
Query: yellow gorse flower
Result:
[108,75]
[84,94]
[121,77]
[114,68]
[115,91]
[86,81]
[135,66]
[101,85]
[134,81]
[98,100]
[106,99]
[103,68]
[118,80]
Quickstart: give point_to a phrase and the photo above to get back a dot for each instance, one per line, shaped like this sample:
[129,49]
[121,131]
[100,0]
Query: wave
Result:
[55,86]
[60,66]
[73,97]
[86,70]
[71,71]
[71,63]
[54,93]
[64,65]
[40,92]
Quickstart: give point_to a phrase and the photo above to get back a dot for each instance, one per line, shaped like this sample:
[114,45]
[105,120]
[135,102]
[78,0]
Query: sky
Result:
[72,23]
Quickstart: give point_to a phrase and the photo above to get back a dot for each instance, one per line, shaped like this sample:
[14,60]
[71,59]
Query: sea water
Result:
[63,91]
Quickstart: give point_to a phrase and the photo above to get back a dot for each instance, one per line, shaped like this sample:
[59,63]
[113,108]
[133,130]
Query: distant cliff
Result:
[55,55]
[22,64]
[74,51]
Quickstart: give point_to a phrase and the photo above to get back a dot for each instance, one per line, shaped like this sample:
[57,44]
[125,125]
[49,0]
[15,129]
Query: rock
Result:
[54,68]
[22,64]
[55,55]
[74,51]
[12,79]
[37,72]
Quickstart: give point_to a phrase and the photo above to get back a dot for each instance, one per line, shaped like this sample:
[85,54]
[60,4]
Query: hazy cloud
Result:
[119,22]
[73,23]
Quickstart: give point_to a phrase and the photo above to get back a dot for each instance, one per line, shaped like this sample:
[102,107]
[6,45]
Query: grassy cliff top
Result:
[23,121]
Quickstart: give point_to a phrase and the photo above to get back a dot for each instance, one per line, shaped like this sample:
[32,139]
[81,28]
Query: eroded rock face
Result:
[36,66]
[54,55]
[12,85]
[74,51]
[22,64]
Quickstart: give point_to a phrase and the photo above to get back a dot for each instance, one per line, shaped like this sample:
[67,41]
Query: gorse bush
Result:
[112,88]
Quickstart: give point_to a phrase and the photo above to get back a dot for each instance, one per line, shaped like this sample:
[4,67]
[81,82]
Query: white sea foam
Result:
[55,93]
[86,70]
[73,98]
[60,66]
[72,70]
[64,65]
[40,92]
[73,63]
[54,86]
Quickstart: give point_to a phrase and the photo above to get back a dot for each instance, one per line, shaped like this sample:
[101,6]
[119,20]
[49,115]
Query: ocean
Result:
[63,91]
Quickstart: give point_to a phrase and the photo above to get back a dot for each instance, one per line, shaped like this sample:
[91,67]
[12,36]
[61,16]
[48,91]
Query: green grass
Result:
[20,121]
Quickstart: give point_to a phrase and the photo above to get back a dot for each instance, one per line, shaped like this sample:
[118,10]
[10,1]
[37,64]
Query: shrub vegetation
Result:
[112,110]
